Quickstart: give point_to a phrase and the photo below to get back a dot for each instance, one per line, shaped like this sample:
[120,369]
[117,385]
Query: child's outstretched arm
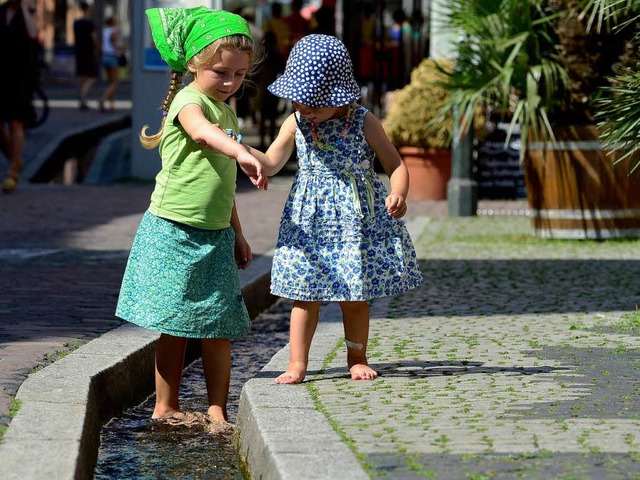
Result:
[280,150]
[206,133]
[242,252]
[392,163]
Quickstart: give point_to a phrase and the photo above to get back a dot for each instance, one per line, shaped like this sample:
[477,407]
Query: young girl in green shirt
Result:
[182,275]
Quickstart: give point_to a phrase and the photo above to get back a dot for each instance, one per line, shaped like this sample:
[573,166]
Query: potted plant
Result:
[542,65]
[619,110]
[424,146]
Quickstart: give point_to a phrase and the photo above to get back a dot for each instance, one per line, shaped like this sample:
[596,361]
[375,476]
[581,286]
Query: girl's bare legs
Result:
[304,320]
[16,146]
[84,85]
[12,145]
[110,91]
[216,361]
[169,364]
[355,319]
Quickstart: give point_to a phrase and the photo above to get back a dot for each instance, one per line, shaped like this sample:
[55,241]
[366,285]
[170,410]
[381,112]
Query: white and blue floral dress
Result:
[336,240]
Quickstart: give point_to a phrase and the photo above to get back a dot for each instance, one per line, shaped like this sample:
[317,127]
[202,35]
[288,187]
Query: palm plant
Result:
[505,62]
[619,109]
[539,63]
[546,66]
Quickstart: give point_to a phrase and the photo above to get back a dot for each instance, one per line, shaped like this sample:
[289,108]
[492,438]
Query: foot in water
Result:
[215,426]
[219,427]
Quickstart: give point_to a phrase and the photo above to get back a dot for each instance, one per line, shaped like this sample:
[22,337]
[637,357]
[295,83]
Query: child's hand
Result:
[253,169]
[242,252]
[396,205]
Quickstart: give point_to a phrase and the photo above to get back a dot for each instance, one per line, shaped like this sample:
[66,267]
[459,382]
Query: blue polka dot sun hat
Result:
[318,74]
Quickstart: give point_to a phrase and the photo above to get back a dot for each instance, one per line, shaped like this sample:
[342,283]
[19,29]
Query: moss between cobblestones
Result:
[49,358]
[518,358]
[313,392]
[13,410]
[630,324]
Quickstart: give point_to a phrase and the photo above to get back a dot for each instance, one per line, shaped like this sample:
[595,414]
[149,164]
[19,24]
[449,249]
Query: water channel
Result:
[134,448]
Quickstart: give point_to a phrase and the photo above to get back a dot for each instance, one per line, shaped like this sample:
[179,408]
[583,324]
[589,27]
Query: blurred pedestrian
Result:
[86,52]
[249,14]
[298,25]
[266,103]
[367,44]
[280,29]
[18,37]
[324,20]
[244,101]
[112,51]
[399,50]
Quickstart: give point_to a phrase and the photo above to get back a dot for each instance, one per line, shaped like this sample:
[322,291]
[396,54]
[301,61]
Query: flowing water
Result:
[133,447]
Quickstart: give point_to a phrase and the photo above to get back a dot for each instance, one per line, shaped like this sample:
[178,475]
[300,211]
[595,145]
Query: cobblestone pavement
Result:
[518,358]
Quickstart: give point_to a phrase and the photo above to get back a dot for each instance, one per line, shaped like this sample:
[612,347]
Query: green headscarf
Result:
[180,33]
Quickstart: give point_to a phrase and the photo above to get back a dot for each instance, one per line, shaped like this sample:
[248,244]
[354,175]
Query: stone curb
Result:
[282,435]
[68,135]
[56,432]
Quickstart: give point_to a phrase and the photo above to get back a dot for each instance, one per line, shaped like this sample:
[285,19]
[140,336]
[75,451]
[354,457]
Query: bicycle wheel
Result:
[40,105]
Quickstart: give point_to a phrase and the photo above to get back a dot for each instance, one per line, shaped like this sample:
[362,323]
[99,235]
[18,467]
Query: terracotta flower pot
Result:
[429,172]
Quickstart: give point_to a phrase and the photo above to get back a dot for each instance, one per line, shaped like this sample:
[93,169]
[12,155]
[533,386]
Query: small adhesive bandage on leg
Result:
[353,345]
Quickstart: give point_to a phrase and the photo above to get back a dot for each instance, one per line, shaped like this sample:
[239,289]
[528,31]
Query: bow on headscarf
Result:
[180,33]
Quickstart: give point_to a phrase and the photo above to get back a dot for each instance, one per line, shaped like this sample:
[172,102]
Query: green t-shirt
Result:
[196,185]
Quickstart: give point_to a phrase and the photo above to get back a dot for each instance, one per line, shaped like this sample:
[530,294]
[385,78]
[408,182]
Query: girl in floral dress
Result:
[341,238]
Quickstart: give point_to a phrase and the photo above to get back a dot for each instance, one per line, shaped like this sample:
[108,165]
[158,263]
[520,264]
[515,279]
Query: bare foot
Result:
[361,371]
[163,414]
[217,426]
[295,373]
[217,421]
[186,419]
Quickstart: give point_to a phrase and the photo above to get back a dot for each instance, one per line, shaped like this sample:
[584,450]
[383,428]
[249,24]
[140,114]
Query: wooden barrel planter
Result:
[429,172]
[575,190]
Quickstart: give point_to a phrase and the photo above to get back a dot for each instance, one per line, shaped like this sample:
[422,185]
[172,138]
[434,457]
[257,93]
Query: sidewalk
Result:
[516,359]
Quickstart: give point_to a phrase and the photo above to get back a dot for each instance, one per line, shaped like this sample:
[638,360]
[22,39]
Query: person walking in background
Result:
[18,37]
[267,103]
[297,24]
[341,235]
[182,277]
[249,14]
[399,50]
[367,36]
[244,102]
[324,20]
[111,50]
[86,53]
[279,28]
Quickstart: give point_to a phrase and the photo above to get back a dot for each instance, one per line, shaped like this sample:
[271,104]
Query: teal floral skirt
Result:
[183,281]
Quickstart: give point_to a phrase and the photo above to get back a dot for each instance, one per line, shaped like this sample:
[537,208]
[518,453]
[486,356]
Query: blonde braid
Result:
[152,141]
